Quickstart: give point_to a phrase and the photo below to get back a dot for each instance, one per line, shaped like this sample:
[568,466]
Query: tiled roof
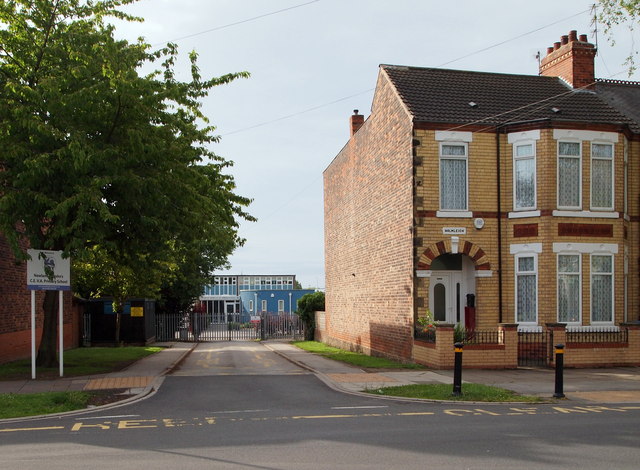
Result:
[444,96]
[622,95]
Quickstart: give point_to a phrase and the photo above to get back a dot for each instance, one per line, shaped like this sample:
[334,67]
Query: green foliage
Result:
[307,305]
[470,392]
[353,358]
[80,361]
[617,12]
[33,404]
[103,162]
[310,303]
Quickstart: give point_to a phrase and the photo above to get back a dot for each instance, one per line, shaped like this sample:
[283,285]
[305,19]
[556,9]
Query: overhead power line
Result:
[288,116]
[218,28]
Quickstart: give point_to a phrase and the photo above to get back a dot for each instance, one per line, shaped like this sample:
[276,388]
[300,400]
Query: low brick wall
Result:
[440,355]
[504,354]
[603,354]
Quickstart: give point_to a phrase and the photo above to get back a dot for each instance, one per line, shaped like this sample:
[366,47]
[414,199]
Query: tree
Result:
[616,12]
[97,156]
[308,304]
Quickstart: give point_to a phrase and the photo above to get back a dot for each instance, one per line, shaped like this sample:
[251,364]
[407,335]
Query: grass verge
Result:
[470,392]
[80,361]
[353,358]
[15,405]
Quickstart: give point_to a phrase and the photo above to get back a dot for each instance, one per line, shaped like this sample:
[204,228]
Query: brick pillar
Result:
[510,341]
[445,354]
[559,337]
[633,358]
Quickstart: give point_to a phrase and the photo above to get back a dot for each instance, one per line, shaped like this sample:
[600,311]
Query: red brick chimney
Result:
[571,59]
[357,120]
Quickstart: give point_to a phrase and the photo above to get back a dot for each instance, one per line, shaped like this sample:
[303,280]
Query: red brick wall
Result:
[368,191]
[15,310]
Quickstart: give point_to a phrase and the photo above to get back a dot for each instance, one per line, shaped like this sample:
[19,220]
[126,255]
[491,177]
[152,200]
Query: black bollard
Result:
[559,371]
[457,370]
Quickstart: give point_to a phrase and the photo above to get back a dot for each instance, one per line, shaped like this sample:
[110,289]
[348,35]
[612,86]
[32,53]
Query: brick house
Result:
[489,200]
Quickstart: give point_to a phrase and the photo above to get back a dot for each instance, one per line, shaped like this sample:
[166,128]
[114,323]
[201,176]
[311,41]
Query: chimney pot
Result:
[575,62]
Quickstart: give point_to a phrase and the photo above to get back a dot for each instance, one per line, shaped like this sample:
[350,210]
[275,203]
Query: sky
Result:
[312,62]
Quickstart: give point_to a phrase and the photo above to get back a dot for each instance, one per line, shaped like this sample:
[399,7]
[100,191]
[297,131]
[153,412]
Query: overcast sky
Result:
[312,63]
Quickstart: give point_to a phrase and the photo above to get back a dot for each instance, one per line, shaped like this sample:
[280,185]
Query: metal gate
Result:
[534,348]
[202,327]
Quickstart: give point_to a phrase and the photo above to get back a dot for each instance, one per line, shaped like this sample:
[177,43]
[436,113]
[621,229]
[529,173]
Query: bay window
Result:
[569,284]
[569,175]
[602,176]
[524,167]
[601,289]
[526,289]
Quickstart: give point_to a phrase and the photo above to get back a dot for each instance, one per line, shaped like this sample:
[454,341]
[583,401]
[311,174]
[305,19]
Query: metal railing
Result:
[204,327]
[480,336]
[598,335]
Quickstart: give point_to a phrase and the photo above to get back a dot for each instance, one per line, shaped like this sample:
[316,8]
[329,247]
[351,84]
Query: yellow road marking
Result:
[48,428]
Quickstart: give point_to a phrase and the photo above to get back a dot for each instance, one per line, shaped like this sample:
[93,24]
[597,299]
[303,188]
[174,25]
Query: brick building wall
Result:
[368,234]
[15,310]
[542,227]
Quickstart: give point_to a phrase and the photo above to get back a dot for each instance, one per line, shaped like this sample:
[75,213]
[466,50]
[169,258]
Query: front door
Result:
[446,296]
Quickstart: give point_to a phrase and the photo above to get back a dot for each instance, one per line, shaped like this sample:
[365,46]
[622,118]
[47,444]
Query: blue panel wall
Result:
[271,297]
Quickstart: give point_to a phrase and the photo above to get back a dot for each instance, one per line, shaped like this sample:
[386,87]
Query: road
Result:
[235,405]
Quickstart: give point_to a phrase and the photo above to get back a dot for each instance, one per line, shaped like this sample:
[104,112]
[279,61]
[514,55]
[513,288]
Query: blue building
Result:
[271,302]
[239,298]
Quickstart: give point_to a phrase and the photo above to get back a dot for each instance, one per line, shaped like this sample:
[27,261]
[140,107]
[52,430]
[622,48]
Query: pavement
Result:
[610,385]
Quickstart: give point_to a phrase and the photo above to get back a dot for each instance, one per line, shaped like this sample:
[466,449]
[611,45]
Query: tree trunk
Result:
[47,356]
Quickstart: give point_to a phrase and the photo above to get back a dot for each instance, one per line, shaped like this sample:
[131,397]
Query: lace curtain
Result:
[601,288]
[453,184]
[526,290]
[569,288]
[525,183]
[601,175]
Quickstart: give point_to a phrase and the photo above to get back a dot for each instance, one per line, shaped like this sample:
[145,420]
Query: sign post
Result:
[48,270]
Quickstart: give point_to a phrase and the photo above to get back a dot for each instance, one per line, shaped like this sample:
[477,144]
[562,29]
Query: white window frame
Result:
[559,178]
[516,158]
[280,306]
[612,275]
[579,274]
[251,306]
[263,305]
[518,273]
[611,181]
[464,158]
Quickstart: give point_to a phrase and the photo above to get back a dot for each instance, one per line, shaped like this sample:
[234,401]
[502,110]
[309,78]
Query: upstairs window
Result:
[569,175]
[524,175]
[602,176]
[453,177]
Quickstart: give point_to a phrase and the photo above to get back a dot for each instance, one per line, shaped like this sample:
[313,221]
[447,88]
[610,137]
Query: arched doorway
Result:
[452,279]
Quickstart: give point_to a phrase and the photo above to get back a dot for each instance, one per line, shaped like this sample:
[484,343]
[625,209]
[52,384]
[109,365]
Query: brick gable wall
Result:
[368,191]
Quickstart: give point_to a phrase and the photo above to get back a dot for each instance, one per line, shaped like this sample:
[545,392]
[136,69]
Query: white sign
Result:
[48,270]
[454,231]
